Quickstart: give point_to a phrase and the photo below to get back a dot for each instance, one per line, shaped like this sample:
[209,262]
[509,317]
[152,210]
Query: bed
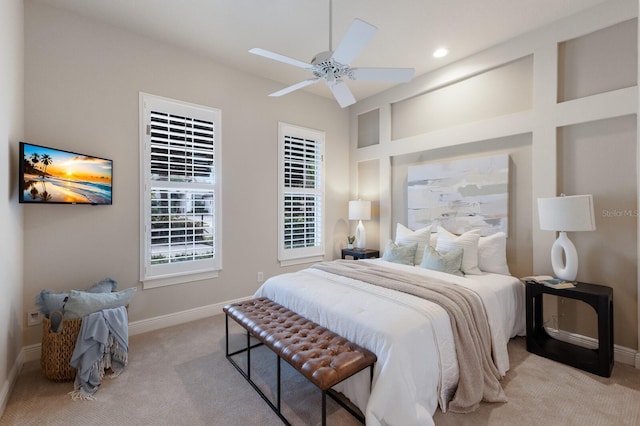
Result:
[417,368]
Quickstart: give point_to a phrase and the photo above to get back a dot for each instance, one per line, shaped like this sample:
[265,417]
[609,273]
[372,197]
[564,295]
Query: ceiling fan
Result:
[332,66]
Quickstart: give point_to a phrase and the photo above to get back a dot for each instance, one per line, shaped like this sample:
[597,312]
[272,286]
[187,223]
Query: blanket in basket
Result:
[103,344]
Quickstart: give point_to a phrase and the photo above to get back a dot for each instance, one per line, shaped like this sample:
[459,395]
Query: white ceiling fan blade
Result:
[398,75]
[356,38]
[281,58]
[296,86]
[342,93]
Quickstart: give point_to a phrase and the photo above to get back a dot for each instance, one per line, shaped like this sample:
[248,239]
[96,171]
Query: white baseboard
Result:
[32,352]
[151,324]
[7,386]
[620,353]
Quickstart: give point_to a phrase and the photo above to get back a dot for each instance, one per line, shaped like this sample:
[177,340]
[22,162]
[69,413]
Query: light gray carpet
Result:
[179,376]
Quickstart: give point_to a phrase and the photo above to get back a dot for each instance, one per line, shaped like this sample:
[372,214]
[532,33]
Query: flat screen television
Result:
[54,176]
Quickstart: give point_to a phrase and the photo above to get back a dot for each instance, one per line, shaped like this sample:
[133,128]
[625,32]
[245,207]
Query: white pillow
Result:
[405,236]
[492,254]
[434,239]
[469,244]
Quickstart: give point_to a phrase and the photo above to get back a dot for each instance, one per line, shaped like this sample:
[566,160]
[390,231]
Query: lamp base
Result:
[360,236]
[567,270]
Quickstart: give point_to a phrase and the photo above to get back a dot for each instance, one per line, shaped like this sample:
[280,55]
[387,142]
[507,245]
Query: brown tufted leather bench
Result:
[319,354]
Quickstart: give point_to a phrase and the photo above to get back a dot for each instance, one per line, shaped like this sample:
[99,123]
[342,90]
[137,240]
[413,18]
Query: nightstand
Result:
[360,253]
[597,361]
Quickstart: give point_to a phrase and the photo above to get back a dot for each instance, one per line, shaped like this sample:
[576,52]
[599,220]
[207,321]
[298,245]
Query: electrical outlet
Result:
[33,318]
[260,277]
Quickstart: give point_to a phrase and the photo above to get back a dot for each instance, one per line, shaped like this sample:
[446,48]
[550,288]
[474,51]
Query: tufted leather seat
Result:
[319,354]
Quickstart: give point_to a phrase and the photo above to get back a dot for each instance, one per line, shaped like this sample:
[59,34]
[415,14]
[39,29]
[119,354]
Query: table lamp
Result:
[360,210]
[566,214]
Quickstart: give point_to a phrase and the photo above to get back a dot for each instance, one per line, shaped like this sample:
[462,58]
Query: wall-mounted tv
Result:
[54,176]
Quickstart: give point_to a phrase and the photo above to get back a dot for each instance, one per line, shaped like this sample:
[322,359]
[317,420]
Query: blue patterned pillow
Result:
[105,286]
[49,301]
[450,262]
[81,303]
[405,254]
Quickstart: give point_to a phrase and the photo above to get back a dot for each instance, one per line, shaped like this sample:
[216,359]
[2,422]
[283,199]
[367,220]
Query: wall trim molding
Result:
[29,353]
[621,354]
[7,386]
[32,352]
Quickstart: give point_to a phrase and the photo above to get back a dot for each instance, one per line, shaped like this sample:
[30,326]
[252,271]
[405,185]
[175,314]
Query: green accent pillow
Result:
[405,254]
[450,262]
[81,303]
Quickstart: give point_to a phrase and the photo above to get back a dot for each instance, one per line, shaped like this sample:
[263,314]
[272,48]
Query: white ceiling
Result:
[408,30]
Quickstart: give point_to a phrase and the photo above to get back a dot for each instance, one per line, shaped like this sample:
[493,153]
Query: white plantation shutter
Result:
[180,206]
[301,193]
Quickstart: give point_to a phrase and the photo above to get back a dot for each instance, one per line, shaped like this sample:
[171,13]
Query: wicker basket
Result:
[57,349]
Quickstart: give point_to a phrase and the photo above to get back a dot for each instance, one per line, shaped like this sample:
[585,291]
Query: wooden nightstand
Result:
[598,361]
[360,253]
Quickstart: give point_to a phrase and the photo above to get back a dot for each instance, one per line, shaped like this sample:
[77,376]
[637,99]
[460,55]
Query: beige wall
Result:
[574,132]
[599,158]
[12,318]
[82,85]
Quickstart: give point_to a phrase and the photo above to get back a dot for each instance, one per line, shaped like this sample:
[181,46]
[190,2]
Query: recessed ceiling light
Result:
[440,53]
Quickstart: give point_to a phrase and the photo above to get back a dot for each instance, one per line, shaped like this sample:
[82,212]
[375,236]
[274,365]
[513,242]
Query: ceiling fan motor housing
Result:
[325,67]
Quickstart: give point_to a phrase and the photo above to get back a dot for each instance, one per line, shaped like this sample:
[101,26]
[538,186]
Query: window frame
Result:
[293,256]
[153,276]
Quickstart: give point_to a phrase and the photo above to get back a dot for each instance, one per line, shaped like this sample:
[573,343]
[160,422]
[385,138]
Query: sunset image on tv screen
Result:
[55,176]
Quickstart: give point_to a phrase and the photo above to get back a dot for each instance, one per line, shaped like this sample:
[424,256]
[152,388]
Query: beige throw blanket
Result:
[479,376]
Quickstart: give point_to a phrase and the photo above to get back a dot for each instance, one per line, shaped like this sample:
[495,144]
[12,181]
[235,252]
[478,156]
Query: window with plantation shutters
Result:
[181,194]
[301,193]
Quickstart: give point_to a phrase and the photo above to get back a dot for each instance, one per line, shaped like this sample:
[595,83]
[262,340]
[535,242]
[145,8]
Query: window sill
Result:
[150,283]
[300,261]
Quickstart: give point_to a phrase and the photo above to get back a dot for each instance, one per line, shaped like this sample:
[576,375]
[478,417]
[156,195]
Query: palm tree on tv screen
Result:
[35,159]
[46,160]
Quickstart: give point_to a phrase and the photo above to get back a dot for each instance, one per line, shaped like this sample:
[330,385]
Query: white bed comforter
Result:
[417,368]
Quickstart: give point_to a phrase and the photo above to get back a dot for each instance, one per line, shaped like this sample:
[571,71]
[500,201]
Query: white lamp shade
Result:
[359,210]
[567,213]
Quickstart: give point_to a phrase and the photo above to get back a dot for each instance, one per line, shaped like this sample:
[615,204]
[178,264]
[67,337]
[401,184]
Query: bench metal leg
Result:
[278,386]
[248,356]
[334,395]
[324,408]
[276,408]
[247,375]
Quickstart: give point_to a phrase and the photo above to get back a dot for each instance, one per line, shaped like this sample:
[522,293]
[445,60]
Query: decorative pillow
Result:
[450,262]
[468,242]
[422,236]
[492,254]
[48,301]
[81,303]
[107,285]
[405,255]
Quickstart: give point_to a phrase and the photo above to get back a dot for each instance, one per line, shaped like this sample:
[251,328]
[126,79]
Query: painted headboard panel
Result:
[460,195]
